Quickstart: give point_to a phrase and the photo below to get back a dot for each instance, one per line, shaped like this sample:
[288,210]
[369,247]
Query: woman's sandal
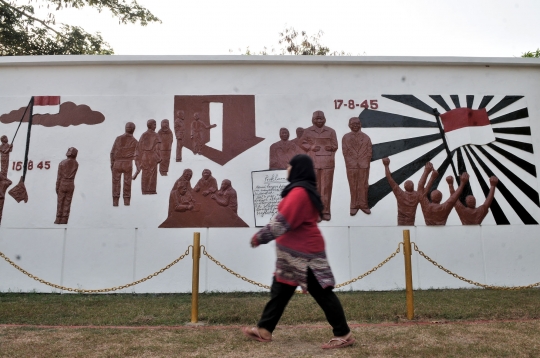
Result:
[342,343]
[253,333]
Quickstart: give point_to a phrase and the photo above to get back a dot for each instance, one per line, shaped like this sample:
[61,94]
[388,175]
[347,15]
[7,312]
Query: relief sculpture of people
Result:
[282,152]
[148,157]
[122,157]
[320,143]
[207,184]
[179,132]
[204,205]
[357,150]
[5,149]
[298,140]
[226,196]
[197,128]
[408,199]
[434,212]
[166,139]
[471,214]
[65,185]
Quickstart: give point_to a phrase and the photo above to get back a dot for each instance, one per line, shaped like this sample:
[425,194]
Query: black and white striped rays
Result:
[510,157]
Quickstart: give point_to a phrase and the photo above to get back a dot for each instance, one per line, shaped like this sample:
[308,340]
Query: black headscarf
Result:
[303,175]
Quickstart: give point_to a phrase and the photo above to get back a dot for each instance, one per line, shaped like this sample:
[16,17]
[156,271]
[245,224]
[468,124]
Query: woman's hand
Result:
[254,242]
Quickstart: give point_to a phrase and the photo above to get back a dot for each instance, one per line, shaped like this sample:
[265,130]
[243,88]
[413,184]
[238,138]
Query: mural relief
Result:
[298,140]
[148,156]
[65,185]
[4,184]
[5,149]
[282,152]
[320,143]
[485,137]
[122,157]
[469,214]
[166,139]
[204,205]
[237,131]
[179,132]
[357,150]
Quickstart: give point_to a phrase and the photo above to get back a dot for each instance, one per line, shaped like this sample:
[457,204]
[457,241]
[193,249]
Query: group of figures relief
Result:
[65,181]
[151,153]
[320,143]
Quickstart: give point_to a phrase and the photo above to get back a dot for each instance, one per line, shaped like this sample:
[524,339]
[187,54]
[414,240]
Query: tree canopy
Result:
[22,32]
[535,54]
[292,42]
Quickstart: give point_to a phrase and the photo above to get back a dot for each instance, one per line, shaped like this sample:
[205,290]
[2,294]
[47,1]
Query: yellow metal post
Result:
[195,278]
[407,252]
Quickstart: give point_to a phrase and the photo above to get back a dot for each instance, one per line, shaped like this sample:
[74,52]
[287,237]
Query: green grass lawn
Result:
[245,308]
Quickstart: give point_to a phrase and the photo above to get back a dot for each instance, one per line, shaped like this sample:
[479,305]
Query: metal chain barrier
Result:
[492,287]
[398,250]
[268,287]
[102,290]
[205,253]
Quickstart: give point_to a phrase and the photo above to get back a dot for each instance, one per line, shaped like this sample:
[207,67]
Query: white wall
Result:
[106,246]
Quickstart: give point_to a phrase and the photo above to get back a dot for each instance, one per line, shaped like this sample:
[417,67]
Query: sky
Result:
[470,28]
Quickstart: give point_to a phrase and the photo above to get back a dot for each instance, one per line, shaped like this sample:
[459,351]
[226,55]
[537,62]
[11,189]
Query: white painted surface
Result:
[109,246]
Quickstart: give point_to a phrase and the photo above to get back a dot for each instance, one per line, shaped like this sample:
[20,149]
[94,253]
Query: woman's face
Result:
[288,171]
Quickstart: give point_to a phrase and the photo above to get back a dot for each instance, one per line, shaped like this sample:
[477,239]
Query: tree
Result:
[22,32]
[293,42]
[535,54]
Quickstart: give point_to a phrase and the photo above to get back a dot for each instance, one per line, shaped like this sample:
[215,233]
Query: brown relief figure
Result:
[197,128]
[179,132]
[357,150]
[147,158]
[407,201]
[5,149]
[470,214]
[320,143]
[4,184]
[282,152]
[122,157]
[183,181]
[298,140]
[207,184]
[226,196]
[166,139]
[436,213]
[204,205]
[65,185]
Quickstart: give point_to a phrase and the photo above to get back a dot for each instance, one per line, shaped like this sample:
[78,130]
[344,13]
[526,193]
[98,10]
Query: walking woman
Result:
[301,256]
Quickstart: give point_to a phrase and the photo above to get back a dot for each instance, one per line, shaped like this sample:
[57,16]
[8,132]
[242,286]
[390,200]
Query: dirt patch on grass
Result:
[515,339]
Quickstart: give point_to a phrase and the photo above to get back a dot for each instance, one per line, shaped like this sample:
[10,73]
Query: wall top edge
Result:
[85,60]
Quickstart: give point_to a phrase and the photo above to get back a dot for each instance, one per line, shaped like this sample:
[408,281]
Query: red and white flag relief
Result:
[46,105]
[464,126]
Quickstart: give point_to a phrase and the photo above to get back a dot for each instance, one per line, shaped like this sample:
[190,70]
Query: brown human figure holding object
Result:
[4,184]
[207,184]
[5,149]
[183,200]
[183,181]
[320,143]
[357,150]
[122,157]
[197,128]
[65,185]
[226,196]
[179,132]
[166,139]
[147,158]
[470,214]
[408,199]
[282,152]
[436,213]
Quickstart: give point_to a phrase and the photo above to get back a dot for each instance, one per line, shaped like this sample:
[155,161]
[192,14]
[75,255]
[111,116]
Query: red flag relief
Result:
[464,126]
[46,105]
